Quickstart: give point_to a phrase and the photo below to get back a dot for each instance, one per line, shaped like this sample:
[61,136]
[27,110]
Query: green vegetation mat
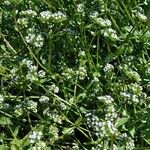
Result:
[74,75]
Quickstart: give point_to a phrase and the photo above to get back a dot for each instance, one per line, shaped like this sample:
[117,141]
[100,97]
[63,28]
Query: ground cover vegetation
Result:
[74,74]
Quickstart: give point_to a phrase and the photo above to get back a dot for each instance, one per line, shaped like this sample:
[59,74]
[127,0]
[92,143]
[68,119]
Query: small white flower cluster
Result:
[107,99]
[39,41]
[68,73]
[53,115]
[130,144]
[7,2]
[63,106]
[111,114]
[102,22]
[18,110]
[94,15]
[75,146]
[23,22]
[111,33]
[141,17]
[81,72]
[80,8]
[46,15]
[54,88]
[53,131]
[35,136]
[69,31]
[41,74]
[59,16]
[139,13]
[27,62]
[81,54]
[94,122]
[133,94]
[98,147]
[31,105]
[36,40]
[111,128]
[133,75]
[13,75]
[128,141]
[102,128]
[29,12]
[135,88]
[40,145]
[124,67]
[126,95]
[44,99]
[32,74]
[108,68]
[30,37]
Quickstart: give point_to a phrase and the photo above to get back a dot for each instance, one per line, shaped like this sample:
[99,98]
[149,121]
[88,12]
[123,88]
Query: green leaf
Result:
[5,120]
[147,141]
[78,121]
[121,148]
[132,132]
[3,147]
[121,121]
[25,141]
[16,131]
[16,142]
[68,130]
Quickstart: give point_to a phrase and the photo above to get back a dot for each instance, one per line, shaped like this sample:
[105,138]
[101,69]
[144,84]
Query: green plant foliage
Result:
[74,74]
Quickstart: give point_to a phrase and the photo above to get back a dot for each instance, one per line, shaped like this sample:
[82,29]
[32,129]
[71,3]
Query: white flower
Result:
[27,62]
[107,99]
[54,88]
[44,99]
[82,53]
[135,99]
[110,33]
[46,14]
[108,68]
[23,22]
[41,73]
[82,73]
[29,38]
[141,17]
[130,144]
[126,95]
[7,2]
[35,135]
[32,105]
[104,22]
[80,7]
[39,41]
[94,46]
[59,16]
[29,12]
[94,14]
[33,68]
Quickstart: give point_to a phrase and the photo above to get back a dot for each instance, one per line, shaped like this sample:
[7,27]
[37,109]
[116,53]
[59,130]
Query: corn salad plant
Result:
[74,75]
